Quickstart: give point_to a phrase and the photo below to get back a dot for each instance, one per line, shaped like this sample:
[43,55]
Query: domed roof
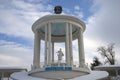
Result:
[58,26]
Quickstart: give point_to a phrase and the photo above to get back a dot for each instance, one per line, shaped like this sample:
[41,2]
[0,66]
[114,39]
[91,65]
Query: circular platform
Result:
[94,75]
[59,72]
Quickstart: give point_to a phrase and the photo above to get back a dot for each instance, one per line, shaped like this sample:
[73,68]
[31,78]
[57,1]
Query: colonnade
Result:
[49,47]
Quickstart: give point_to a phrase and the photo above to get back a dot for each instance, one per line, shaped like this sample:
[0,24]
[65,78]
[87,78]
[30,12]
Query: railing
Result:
[63,63]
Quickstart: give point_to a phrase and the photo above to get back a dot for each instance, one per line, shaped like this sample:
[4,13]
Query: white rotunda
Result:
[53,29]
[58,28]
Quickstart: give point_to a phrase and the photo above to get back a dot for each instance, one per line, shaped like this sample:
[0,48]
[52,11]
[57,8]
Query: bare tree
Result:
[108,53]
[96,62]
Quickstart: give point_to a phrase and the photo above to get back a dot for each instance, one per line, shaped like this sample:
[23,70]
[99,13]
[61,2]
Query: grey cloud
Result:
[13,54]
[18,16]
[105,23]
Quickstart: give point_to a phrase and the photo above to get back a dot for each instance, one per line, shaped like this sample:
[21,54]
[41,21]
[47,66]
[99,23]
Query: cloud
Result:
[104,23]
[14,54]
[77,7]
[9,61]
[18,16]
[103,26]
[78,12]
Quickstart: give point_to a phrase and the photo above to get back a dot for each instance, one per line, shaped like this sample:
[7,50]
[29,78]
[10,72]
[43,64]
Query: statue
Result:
[60,55]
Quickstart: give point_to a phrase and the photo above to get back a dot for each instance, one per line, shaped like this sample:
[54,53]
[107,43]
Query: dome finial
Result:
[58,10]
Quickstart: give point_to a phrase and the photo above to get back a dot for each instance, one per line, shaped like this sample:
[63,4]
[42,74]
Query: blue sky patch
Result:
[19,40]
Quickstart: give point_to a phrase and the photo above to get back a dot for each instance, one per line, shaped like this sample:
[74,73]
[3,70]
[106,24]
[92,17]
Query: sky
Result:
[102,19]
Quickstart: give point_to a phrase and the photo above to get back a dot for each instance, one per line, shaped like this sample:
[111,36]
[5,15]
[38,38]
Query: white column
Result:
[39,51]
[46,46]
[49,45]
[70,45]
[36,58]
[52,52]
[67,46]
[81,49]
